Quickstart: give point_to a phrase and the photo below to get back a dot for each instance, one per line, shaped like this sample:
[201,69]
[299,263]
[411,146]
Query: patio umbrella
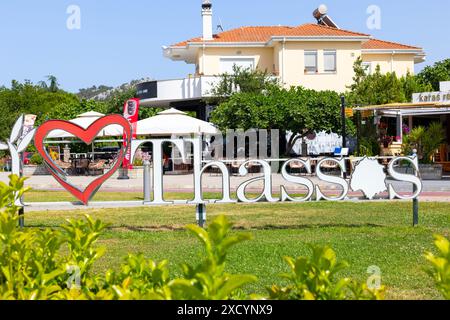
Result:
[173,122]
[85,120]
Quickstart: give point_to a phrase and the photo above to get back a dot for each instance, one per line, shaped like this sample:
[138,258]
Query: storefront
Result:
[394,121]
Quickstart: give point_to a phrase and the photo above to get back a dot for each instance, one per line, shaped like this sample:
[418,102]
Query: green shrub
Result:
[440,265]
[46,264]
[208,280]
[425,140]
[314,279]
[33,266]
[36,159]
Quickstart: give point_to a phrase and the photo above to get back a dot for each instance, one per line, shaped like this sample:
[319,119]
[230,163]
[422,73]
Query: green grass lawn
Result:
[364,234]
[64,196]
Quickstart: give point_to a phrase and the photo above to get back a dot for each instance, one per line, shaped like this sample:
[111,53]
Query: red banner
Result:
[131,113]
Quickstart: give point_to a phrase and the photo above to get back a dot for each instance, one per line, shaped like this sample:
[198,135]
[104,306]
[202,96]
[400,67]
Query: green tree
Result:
[378,88]
[413,84]
[244,80]
[54,85]
[298,110]
[28,98]
[70,110]
[432,75]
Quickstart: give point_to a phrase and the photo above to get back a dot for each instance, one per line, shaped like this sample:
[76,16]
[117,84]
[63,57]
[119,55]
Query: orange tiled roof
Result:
[264,34]
[375,44]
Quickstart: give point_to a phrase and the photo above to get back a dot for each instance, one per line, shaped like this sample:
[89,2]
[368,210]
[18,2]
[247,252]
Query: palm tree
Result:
[43,85]
[53,87]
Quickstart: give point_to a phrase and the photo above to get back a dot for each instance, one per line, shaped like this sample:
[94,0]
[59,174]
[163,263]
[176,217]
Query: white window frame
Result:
[330,52]
[231,58]
[367,66]
[312,52]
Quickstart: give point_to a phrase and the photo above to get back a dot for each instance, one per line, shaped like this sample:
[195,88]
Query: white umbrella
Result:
[85,120]
[173,122]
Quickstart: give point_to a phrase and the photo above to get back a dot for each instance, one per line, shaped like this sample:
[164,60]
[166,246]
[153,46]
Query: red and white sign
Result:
[131,113]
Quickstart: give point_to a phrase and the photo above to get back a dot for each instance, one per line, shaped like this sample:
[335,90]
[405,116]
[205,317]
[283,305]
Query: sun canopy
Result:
[166,123]
[85,120]
[173,122]
[409,109]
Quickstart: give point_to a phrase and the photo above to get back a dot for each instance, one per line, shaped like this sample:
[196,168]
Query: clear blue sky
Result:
[121,40]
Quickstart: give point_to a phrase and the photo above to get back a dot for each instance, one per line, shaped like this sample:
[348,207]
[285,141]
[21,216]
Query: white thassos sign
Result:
[368,177]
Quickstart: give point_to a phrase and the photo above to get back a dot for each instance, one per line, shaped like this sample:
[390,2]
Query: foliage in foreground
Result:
[313,278]
[57,264]
[440,265]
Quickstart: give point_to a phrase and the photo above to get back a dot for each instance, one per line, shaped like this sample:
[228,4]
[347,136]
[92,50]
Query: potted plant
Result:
[424,142]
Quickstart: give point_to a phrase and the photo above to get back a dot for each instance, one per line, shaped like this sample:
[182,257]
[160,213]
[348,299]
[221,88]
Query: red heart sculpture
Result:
[87,136]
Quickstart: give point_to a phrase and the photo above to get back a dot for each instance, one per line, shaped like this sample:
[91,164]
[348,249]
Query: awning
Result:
[408,109]
[173,122]
[85,120]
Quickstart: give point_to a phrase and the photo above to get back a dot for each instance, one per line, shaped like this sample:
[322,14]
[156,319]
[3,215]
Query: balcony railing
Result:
[163,92]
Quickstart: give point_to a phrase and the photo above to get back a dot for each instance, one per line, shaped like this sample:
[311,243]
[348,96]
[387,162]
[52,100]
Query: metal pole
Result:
[22,209]
[344,128]
[415,209]
[123,170]
[123,174]
[201,215]
[344,120]
[147,183]
[358,132]
[22,217]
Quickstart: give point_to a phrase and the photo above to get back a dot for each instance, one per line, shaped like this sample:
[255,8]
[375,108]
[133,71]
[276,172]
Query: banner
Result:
[131,113]
[28,124]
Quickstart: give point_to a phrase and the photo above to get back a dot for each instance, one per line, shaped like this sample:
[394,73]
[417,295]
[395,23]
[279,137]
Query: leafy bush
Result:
[369,147]
[40,264]
[36,159]
[33,266]
[314,279]
[440,270]
[425,140]
[208,280]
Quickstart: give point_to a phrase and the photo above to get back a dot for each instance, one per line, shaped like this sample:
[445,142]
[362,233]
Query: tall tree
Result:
[27,97]
[378,88]
[432,75]
[242,80]
[298,110]
[53,83]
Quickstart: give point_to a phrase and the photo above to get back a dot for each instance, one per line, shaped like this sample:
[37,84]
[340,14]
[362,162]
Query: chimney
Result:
[207,20]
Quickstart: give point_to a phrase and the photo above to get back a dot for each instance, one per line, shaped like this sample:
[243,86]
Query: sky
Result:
[119,40]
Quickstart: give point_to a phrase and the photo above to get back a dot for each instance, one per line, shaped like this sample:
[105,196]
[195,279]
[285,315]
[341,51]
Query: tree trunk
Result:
[294,138]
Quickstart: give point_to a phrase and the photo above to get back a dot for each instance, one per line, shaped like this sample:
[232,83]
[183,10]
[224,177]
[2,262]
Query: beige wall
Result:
[209,58]
[293,72]
[400,63]
[287,62]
